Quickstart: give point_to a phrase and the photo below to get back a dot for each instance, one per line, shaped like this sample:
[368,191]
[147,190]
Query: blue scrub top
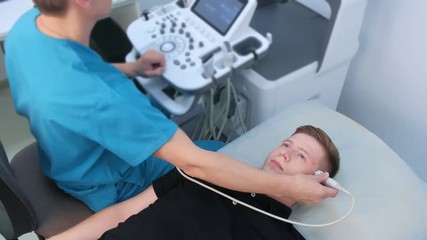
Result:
[95,130]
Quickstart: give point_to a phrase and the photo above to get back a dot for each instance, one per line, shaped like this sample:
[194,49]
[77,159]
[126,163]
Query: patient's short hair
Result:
[52,7]
[325,141]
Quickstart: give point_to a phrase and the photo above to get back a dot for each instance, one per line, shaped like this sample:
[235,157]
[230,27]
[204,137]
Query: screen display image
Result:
[219,14]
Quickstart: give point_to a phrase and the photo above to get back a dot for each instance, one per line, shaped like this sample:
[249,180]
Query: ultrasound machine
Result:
[274,53]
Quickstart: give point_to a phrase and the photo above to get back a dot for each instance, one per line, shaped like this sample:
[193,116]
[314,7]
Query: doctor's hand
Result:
[308,189]
[150,64]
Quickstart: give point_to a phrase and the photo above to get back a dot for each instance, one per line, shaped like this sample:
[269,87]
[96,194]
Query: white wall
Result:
[386,87]
[147,4]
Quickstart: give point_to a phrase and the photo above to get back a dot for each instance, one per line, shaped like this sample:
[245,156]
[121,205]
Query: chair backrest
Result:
[53,209]
[17,216]
[110,41]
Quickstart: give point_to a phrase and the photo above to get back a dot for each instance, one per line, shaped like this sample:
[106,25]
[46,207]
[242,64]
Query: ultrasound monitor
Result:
[219,14]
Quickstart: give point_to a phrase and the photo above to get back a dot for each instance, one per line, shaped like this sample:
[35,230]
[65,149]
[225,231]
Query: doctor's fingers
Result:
[153,57]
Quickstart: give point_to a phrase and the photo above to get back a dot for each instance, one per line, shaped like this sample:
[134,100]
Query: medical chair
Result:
[110,41]
[29,201]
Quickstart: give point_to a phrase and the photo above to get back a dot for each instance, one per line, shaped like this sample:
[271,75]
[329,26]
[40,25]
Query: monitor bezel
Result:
[223,33]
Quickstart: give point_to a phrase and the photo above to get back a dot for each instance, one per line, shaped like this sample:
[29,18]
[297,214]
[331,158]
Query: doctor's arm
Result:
[94,226]
[230,173]
[150,64]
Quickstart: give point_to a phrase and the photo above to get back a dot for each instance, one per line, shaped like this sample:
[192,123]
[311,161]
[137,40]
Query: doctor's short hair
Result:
[325,141]
[52,7]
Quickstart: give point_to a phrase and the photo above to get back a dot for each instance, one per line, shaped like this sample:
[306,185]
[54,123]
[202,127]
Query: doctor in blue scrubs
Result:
[100,139]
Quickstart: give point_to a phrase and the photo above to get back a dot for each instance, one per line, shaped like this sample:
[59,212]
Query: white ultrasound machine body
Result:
[204,42]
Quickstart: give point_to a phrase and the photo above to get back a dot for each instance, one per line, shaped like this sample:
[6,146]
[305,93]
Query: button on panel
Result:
[167,47]
[183,42]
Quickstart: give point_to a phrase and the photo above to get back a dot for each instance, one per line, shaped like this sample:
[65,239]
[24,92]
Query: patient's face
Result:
[299,154]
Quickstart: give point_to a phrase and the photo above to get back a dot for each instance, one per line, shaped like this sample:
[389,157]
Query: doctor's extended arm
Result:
[94,226]
[227,172]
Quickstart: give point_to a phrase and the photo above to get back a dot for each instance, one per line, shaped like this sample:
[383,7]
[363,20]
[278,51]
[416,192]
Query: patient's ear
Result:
[82,4]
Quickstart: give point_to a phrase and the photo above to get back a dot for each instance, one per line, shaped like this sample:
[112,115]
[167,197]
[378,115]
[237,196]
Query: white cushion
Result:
[391,201]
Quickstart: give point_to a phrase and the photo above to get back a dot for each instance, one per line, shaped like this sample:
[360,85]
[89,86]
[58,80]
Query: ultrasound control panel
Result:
[193,37]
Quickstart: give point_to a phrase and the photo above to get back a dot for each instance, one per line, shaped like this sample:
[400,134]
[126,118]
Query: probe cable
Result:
[236,201]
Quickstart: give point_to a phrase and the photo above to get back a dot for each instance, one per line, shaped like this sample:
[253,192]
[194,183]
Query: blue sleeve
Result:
[113,113]
[136,129]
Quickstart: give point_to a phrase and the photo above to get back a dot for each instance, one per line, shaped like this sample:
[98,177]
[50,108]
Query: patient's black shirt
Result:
[188,211]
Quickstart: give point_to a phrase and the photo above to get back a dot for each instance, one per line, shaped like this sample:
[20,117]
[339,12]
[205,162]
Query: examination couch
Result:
[391,201]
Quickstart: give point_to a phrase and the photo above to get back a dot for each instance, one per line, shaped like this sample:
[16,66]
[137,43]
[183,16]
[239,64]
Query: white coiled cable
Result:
[236,201]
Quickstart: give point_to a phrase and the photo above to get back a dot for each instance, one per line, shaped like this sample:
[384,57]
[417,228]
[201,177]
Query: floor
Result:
[14,130]
[29,236]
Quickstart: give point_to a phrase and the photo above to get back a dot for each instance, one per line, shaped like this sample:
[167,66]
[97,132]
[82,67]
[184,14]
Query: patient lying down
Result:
[176,208]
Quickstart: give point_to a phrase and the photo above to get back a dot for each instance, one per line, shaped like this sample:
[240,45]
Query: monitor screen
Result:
[219,14]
